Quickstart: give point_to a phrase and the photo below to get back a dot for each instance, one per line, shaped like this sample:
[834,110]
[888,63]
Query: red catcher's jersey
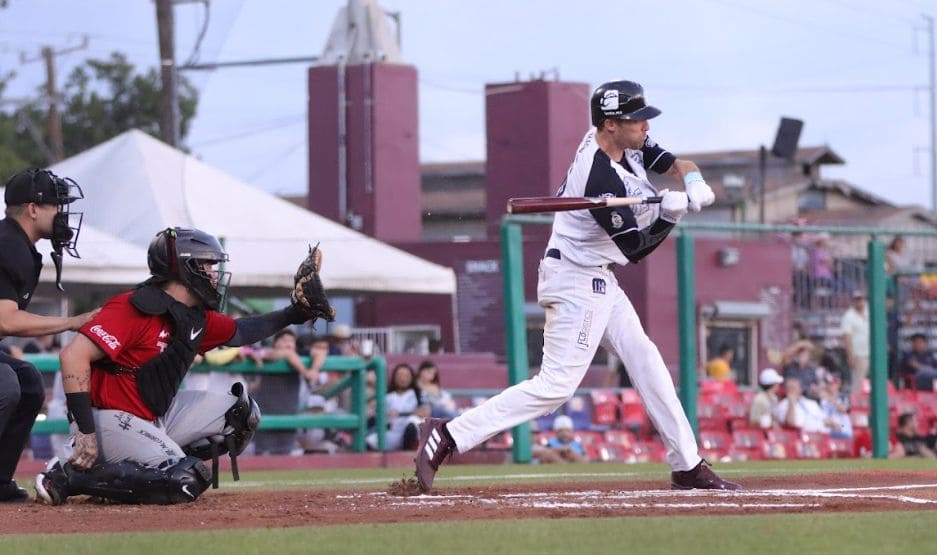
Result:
[129,338]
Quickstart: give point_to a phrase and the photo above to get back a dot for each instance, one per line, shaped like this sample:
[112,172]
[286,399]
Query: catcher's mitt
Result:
[308,295]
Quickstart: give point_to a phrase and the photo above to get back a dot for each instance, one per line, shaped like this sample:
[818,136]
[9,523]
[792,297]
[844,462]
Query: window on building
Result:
[811,200]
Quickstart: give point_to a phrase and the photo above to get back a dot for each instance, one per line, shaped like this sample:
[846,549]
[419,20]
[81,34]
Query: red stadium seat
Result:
[812,445]
[712,417]
[621,438]
[714,445]
[841,448]
[605,407]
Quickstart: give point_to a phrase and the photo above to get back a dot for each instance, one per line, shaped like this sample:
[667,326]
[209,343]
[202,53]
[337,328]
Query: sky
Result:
[723,72]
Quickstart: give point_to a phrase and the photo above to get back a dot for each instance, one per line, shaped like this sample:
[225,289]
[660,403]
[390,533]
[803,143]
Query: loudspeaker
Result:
[785,143]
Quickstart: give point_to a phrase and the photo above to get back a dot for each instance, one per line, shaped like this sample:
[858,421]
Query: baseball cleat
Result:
[700,477]
[10,492]
[51,485]
[435,445]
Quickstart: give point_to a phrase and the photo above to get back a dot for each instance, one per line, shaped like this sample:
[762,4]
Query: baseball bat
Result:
[530,205]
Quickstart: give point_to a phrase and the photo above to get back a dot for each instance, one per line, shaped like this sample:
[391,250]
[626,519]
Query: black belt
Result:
[555,253]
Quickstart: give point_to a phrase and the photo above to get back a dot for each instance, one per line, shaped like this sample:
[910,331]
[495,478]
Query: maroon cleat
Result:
[700,477]
[435,445]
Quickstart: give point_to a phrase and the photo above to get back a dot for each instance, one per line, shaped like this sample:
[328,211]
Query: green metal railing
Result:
[356,382]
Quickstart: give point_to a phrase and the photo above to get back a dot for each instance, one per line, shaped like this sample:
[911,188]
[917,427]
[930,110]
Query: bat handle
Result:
[653,200]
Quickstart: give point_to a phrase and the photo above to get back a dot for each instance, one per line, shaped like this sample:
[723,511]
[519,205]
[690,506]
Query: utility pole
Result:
[933,111]
[168,98]
[56,147]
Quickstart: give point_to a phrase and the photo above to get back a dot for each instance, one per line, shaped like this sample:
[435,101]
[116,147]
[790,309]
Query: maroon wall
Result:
[762,266]
[382,147]
[323,143]
[533,129]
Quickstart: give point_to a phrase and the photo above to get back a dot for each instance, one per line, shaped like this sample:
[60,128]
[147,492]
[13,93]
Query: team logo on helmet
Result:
[610,101]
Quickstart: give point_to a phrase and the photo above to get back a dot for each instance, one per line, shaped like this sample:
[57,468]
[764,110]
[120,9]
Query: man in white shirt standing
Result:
[854,328]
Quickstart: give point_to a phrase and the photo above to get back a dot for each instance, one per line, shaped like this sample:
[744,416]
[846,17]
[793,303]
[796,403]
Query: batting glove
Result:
[673,205]
[698,191]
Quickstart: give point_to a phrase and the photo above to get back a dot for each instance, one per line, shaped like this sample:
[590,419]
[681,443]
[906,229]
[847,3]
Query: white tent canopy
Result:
[135,185]
[105,259]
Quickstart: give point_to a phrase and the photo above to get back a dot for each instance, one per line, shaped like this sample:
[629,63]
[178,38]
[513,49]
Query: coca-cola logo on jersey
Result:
[108,339]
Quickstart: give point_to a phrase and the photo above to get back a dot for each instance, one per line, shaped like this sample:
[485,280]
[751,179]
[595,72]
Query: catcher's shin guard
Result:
[132,482]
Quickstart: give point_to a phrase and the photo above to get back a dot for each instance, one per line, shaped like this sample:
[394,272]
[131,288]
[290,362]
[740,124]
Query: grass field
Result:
[902,532]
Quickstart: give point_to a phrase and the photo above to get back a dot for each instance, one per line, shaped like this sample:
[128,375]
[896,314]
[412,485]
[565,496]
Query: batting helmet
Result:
[179,253]
[620,100]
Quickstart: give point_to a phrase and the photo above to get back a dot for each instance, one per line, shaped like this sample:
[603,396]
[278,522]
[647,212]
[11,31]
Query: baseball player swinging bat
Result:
[530,205]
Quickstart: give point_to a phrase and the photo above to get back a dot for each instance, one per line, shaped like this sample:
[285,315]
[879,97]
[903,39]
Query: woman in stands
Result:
[432,394]
[404,410]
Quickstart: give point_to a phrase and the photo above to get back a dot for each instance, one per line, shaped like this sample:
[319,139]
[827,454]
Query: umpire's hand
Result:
[85,452]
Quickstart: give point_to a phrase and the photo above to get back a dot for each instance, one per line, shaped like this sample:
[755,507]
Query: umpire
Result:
[37,207]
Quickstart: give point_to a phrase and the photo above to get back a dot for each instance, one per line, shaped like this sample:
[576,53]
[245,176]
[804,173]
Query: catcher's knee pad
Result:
[241,420]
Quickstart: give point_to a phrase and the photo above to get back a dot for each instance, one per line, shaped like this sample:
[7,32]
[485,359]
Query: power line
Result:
[802,22]
[272,126]
[867,9]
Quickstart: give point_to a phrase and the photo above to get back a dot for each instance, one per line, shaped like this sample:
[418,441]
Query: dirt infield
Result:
[841,492]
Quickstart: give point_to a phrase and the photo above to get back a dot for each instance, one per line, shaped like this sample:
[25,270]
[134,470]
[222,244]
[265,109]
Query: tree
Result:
[102,99]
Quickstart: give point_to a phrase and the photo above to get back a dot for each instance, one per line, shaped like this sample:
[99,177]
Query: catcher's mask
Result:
[44,187]
[182,254]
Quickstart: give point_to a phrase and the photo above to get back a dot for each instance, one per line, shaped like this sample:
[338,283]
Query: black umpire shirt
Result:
[20,264]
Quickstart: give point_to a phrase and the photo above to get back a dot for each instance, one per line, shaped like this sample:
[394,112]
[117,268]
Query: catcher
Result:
[136,438]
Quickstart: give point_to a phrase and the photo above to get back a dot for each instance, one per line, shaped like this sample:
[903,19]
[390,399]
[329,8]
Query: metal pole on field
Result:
[878,342]
[686,310]
[515,328]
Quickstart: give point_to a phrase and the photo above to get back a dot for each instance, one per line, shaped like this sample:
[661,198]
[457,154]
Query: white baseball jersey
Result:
[583,235]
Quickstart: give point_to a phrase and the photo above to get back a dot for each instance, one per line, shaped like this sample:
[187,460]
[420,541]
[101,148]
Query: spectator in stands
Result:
[765,403]
[854,328]
[562,447]
[835,405]
[404,411]
[341,342]
[720,367]
[284,348]
[800,265]
[821,269]
[318,440]
[801,368]
[431,392]
[897,259]
[798,411]
[912,443]
[919,365]
[282,393]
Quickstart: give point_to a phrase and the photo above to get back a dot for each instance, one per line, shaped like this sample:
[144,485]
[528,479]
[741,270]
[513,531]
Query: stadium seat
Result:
[620,438]
[718,387]
[714,445]
[812,445]
[605,407]
[630,397]
[579,410]
[635,420]
[841,448]
[712,417]
[749,441]
[501,441]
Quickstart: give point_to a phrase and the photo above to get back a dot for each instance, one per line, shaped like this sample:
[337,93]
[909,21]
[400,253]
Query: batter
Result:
[580,295]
